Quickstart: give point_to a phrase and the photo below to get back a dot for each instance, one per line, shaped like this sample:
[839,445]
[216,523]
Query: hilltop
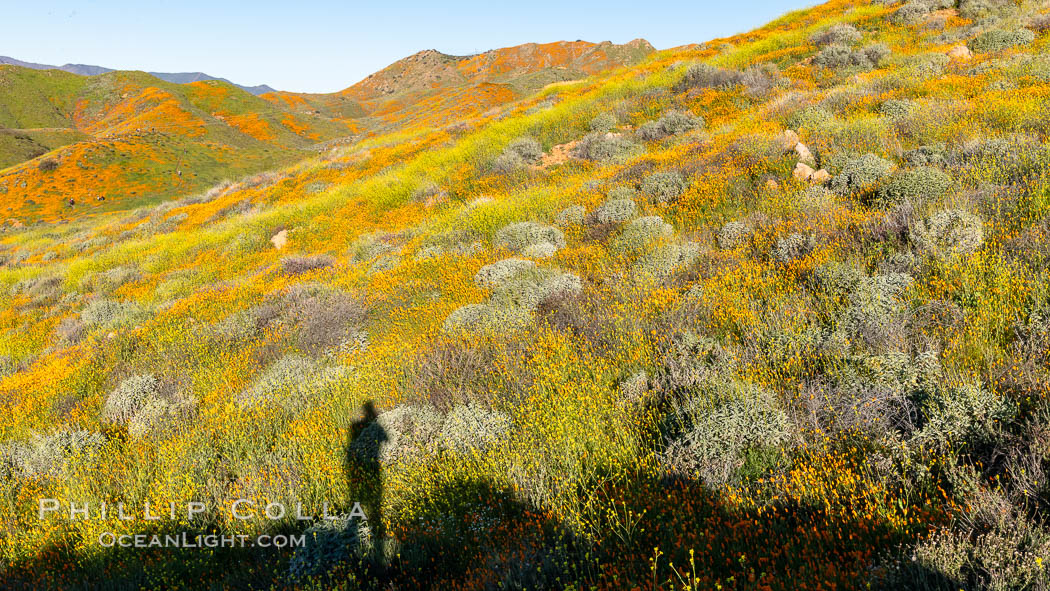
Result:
[431,88]
[770,311]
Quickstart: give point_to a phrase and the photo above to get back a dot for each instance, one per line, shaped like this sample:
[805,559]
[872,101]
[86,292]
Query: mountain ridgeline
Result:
[80,138]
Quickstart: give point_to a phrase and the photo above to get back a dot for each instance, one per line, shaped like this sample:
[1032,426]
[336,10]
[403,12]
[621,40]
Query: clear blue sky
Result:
[323,46]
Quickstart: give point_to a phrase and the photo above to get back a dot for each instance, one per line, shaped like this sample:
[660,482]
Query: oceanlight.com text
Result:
[188,540]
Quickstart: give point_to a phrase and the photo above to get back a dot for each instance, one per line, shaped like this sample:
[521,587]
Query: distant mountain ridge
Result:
[174,77]
[85,138]
[434,88]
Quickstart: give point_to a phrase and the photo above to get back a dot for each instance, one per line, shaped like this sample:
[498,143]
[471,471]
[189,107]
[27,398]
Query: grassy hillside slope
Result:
[769,312]
[77,145]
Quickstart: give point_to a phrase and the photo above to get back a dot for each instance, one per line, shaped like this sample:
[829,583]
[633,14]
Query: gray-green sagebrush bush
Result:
[731,432]
[948,233]
[664,186]
[671,123]
[46,454]
[605,146]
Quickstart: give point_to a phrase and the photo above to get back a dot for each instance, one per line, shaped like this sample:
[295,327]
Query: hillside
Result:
[434,89]
[74,145]
[122,139]
[174,77]
[770,311]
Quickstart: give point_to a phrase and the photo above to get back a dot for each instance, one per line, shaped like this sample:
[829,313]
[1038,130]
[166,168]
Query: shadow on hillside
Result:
[478,534]
[112,568]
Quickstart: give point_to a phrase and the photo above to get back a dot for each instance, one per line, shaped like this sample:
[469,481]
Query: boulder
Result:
[788,140]
[280,239]
[820,176]
[803,172]
[804,155]
[960,52]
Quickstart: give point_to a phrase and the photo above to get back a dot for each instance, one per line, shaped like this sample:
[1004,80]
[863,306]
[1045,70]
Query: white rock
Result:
[960,52]
[803,172]
[789,140]
[280,239]
[804,154]
[820,176]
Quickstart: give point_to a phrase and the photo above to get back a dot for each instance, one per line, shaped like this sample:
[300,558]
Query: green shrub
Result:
[615,211]
[518,289]
[641,233]
[757,80]
[666,260]
[837,34]
[1007,554]
[633,389]
[248,323]
[474,318]
[932,155]
[519,153]
[998,40]
[622,192]
[603,123]
[947,234]
[793,247]
[398,434]
[528,149]
[330,543]
[297,265]
[897,108]
[46,455]
[836,279]
[690,361]
[675,122]
[918,185]
[874,314]
[833,56]
[714,434]
[161,414]
[841,56]
[521,235]
[966,415]
[471,427]
[708,76]
[810,118]
[860,174]
[574,215]
[129,398]
[290,382]
[525,292]
[605,146]
[507,163]
[911,13]
[109,314]
[733,234]
[497,274]
[671,123]
[664,186]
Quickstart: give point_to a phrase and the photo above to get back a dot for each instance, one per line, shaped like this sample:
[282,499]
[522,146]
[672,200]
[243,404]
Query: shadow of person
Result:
[364,472]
